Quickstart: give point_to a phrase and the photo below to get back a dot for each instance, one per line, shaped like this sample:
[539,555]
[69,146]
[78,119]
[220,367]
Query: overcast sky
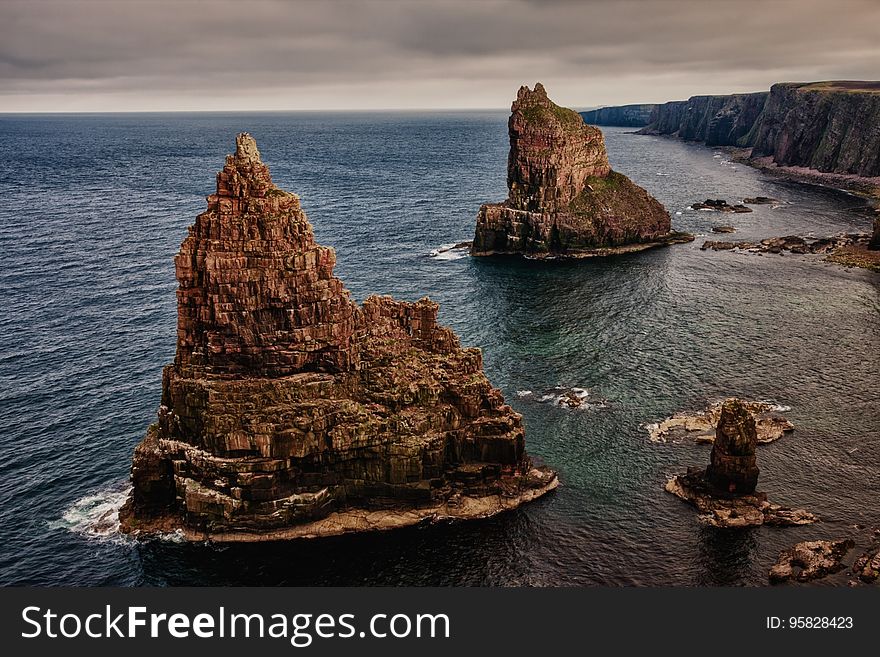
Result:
[119,55]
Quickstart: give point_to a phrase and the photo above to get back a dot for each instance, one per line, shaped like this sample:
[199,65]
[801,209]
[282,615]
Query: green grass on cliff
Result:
[847,86]
[568,119]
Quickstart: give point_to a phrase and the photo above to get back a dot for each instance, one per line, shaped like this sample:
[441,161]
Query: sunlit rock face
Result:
[563,197]
[290,410]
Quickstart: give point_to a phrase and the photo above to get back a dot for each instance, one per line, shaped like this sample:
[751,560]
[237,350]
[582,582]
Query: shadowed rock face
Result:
[732,465]
[631,116]
[292,411]
[564,199]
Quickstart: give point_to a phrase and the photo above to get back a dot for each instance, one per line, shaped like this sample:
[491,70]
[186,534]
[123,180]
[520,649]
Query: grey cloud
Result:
[466,53]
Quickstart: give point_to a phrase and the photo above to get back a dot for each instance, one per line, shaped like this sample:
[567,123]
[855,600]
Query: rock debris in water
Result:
[725,492]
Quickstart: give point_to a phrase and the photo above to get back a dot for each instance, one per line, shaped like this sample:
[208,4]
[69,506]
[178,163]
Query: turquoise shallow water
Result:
[94,207]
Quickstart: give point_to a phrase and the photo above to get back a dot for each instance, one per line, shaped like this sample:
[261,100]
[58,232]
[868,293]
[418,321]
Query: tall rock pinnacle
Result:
[292,411]
[563,197]
[732,466]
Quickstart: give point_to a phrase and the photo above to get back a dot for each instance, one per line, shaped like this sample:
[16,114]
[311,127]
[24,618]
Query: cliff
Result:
[563,198]
[715,120]
[290,410]
[630,116]
[829,127]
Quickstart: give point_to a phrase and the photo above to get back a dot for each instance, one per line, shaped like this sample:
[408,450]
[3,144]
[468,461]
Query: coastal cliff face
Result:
[628,116]
[828,126]
[563,198]
[290,410]
[715,120]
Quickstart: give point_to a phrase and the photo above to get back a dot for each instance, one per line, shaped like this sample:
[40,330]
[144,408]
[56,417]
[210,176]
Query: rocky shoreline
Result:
[701,426]
[848,250]
[537,483]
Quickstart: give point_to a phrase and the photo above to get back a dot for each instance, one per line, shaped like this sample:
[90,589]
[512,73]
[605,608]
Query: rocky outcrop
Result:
[725,492]
[874,245]
[810,560]
[701,426]
[564,200]
[867,565]
[826,127]
[629,116]
[290,410]
[733,464]
[715,120]
[720,205]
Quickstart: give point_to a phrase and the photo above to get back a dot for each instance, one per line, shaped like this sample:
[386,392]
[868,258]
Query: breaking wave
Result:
[96,516]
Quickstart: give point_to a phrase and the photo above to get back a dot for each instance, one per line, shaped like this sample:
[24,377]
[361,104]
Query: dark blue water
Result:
[93,208]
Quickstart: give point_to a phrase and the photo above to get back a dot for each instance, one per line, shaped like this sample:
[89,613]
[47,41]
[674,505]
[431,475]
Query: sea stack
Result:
[724,493]
[732,465]
[564,199]
[291,411]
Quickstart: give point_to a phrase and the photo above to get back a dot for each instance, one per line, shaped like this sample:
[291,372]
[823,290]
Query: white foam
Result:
[96,516]
[449,252]
[524,393]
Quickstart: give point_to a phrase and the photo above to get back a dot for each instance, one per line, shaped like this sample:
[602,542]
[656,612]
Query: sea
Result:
[94,207]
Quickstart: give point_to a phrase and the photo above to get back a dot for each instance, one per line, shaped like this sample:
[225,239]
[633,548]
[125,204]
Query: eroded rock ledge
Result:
[700,426]
[291,411]
[725,492]
[564,200]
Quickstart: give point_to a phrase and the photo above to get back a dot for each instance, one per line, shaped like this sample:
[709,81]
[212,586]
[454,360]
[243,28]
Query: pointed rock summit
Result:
[291,411]
[564,199]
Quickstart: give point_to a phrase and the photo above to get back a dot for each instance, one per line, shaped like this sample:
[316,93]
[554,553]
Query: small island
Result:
[564,199]
[292,411]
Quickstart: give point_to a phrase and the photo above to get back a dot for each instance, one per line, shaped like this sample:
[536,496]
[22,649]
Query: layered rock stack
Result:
[292,411]
[724,493]
[732,466]
[564,199]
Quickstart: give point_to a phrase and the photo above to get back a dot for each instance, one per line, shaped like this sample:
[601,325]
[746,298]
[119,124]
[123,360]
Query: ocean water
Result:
[93,208]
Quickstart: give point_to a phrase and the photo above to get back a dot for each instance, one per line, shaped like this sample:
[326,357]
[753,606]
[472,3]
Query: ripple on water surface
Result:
[96,207]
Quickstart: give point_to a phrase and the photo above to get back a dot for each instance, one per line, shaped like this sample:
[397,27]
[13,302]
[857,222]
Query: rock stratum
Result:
[827,127]
[564,200]
[292,411]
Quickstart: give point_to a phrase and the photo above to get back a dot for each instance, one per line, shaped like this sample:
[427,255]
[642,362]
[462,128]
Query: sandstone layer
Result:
[292,411]
[564,200]
[725,492]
